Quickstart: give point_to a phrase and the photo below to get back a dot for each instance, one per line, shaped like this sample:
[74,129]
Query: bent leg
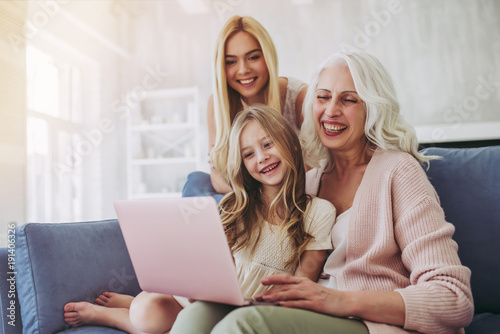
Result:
[114,300]
[154,312]
[200,317]
[199,184]
[84,313]
[277,320]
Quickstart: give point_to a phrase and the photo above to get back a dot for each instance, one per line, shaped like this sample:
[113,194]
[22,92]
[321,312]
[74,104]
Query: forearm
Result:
[378,306]
[220,185]
[311,264]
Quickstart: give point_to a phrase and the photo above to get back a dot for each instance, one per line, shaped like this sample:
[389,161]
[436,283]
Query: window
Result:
[55,123]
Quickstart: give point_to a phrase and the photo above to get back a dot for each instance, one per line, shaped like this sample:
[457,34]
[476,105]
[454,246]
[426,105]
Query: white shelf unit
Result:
[163,142]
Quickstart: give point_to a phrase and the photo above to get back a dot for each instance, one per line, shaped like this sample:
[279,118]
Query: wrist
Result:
[353,302]
[350,302]
[379,306]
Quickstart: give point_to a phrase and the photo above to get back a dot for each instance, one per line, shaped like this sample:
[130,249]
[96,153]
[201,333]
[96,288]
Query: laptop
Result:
[178,247]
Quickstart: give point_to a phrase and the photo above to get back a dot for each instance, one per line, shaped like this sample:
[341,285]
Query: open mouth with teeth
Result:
[331,128]
[246,82]
[270,168]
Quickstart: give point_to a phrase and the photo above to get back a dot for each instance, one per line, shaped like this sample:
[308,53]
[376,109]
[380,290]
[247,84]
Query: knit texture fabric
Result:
[274,248]
[398,240]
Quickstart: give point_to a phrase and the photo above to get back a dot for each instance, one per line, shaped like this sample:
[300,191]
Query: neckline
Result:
[376,152]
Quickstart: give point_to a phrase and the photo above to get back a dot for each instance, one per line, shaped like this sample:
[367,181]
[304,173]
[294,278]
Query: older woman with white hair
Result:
[394,267]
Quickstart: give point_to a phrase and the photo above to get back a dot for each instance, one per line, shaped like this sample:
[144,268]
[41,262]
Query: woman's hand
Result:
[301,292]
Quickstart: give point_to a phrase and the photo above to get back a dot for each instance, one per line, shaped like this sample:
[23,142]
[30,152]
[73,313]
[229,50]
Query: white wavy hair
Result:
[384,127]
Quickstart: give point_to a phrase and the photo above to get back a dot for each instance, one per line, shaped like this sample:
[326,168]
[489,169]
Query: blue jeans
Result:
[199,184]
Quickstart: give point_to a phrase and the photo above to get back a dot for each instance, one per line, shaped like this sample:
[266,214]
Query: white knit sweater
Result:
[398,240]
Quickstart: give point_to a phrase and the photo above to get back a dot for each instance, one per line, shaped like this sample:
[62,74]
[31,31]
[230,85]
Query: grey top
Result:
[292,90]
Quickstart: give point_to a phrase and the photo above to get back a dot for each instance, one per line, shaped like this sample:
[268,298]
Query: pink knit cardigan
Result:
[398,240]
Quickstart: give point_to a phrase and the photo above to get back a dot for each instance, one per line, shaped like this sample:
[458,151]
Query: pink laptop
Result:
[178,247]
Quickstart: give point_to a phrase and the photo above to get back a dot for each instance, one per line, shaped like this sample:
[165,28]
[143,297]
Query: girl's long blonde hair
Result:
[227,101]
[244,210]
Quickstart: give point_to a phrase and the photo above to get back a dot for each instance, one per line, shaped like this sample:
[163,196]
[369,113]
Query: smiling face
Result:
[261,158]
[246,69]
[339,112]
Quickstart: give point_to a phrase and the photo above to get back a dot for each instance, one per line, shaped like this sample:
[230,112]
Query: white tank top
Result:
[336,260]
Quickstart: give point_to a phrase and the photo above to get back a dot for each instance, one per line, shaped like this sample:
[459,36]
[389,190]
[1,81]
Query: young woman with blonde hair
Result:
[245,73]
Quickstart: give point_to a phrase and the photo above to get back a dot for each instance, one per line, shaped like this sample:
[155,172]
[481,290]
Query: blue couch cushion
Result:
[61,263]
[485,323]
[467,181]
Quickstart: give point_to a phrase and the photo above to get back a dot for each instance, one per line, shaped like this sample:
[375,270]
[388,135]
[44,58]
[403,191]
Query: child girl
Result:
[268,211]
[245,73]
[272,226]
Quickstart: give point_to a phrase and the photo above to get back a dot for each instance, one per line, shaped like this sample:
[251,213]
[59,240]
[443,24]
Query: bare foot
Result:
[113,299]
[82,313]
[85,313]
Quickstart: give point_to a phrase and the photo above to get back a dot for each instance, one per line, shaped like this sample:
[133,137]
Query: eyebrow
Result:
[260,140]
[246,54]
[343,92]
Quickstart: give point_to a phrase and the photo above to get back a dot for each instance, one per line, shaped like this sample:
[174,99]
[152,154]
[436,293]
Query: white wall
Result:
[438,52]
[444,56]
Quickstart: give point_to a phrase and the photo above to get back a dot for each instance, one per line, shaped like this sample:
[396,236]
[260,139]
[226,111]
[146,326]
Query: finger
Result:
[302,304]
[275,289]
[284,294]
[280,279]
[270,291]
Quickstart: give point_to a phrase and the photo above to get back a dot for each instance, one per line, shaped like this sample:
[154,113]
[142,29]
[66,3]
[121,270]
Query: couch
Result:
[59,263]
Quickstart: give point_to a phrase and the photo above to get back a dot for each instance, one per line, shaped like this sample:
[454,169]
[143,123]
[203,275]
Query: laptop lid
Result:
[178,247]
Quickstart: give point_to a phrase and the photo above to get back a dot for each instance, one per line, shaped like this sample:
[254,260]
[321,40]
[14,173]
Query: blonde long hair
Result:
[384,127]
[227,102]
[243,210]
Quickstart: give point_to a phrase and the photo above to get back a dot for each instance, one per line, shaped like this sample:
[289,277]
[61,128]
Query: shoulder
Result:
[283,84]
[391,154]
[292,85]
[319,206]
[402,171]
[210,105]
[319,217]
[394,161]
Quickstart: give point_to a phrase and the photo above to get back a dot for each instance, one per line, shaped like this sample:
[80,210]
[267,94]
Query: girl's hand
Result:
[301,292]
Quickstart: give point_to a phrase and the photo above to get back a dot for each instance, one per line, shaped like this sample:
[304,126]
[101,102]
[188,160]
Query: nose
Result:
[333,108]
[243,67]
[262,156]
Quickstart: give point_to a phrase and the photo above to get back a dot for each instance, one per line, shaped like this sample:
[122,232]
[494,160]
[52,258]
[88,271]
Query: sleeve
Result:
[313,178]
[319,221]
[439,297]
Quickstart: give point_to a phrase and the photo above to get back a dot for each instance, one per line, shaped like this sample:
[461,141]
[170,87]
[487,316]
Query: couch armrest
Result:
[68,262]
[10,321]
